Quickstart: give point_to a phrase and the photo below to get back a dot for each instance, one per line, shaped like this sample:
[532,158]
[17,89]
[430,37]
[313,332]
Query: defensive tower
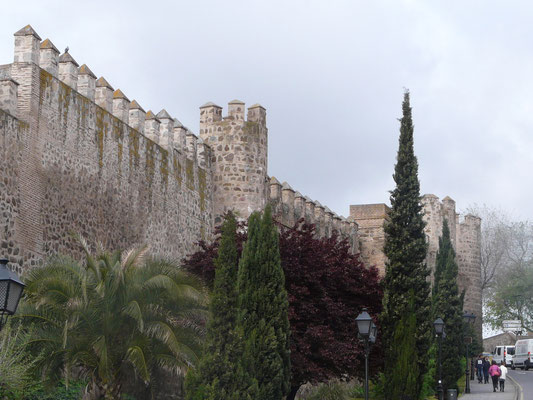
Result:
[239,156]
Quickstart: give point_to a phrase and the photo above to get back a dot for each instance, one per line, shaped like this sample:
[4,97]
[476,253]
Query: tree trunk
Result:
[99,390]
[292,393]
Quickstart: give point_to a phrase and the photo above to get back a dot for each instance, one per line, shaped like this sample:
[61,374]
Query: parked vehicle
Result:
[523,356]
[504,354]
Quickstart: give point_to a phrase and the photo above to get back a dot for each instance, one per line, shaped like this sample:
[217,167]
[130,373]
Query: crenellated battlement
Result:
[289,206]
[239,156]
[29,49]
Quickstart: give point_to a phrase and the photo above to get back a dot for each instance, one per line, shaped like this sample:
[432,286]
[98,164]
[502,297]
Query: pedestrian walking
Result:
[495,372]
[503,375]
[479,369]
[486,366]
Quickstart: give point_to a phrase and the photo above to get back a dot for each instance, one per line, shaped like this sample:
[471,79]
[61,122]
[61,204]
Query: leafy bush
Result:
[15,362]
[61,392]
[333,390]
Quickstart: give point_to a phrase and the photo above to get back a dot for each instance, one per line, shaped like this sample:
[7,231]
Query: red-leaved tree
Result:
[327,287]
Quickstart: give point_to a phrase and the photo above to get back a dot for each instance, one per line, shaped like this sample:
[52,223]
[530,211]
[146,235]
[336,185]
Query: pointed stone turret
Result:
[137,116]
[49,57]
[86,82]
[104,94]
[275,189]
[166,137]
[179,133]
[27,45]
[121,106]
[151,126]
[68,70]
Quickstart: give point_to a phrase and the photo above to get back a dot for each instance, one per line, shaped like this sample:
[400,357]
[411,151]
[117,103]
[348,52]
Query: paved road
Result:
[525,379]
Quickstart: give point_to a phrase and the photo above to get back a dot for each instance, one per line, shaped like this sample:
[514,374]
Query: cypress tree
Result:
[263,309]
[403,383]
[448,306]
[219,376]
[405,248]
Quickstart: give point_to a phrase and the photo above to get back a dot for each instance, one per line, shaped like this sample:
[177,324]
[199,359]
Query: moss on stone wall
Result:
[163,168]
[134,148]
[101,133]
[83,110]
[189,172]
[251,127]
[117,129]
[65,92]
[150,161]
[178,171]
[44,83]
[202,188]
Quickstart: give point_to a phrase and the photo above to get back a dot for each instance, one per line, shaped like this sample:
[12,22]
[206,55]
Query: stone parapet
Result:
[290,206]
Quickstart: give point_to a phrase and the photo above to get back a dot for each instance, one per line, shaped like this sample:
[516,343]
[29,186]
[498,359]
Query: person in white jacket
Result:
[503,375]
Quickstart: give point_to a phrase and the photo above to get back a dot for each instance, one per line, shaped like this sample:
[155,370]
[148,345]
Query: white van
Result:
[523,355]
[503,354]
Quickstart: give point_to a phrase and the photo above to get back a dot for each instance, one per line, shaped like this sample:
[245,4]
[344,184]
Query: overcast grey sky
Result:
[331,76]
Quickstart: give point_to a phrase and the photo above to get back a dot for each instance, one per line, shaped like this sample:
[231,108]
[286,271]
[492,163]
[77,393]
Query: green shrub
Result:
[333,390]
[15,362]
[61,392]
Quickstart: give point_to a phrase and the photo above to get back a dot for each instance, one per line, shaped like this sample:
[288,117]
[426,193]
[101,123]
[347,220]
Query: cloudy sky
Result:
[331,75]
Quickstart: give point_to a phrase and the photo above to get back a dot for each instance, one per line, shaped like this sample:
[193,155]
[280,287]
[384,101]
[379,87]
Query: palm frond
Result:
[135,356]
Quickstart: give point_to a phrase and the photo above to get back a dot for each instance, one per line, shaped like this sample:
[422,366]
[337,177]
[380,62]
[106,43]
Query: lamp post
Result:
[11,289]
[469,319]
[368,332]
[439,330]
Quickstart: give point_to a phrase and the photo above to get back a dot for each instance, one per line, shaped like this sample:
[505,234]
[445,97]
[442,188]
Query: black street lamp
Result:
[439,330]
[11,289]
[368,332]
[468,319]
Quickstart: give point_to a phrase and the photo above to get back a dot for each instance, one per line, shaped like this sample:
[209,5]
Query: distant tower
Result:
[239,157]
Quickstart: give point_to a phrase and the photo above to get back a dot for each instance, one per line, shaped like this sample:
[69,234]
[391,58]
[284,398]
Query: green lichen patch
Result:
[101,132]
[117,129]
[83,110]
[177,171]
[44,83]
[251,127]
[163,168]
[150,161]
[202,188]
[189,172]
[65,93]
[134,148]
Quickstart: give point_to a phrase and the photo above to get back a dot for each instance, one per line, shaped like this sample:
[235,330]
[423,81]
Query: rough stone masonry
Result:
[77,156]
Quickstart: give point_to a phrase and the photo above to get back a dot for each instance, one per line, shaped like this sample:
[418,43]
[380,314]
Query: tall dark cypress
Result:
[405,248]
[447,305]
[219,376]
[263,309]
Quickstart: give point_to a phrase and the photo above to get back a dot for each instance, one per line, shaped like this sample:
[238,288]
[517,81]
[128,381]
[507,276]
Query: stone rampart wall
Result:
[73,166]
[289,206]
[371,219]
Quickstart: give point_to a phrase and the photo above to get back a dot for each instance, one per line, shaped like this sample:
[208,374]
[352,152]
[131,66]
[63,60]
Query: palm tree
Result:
[114,312]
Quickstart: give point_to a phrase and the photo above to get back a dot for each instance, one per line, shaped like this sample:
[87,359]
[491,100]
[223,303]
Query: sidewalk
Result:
[482,391]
